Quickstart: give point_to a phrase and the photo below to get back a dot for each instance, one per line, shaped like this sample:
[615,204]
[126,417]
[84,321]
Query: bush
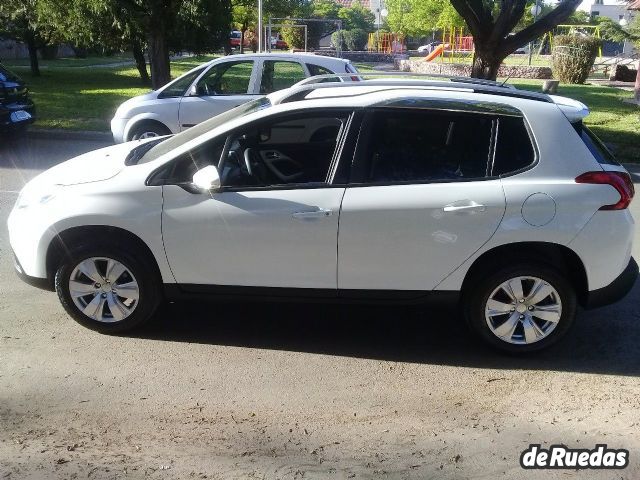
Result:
[355,39]
[337,39]
[294,36]
[573,57]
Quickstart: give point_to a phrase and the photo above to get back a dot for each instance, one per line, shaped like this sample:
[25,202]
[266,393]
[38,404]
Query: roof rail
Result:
[300,90]
[359,76]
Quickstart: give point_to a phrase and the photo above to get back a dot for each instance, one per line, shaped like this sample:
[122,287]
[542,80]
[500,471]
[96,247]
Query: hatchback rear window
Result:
[598,149]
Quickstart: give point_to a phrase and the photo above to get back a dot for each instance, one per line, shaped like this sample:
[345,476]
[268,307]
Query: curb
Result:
[61,134]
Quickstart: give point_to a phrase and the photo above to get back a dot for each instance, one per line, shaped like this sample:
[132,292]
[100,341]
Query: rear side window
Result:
[514,150]
[277,75]
[426,146]
[318,70]
[598,149]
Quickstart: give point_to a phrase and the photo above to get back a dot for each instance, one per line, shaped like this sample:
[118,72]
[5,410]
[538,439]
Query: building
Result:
[618,12]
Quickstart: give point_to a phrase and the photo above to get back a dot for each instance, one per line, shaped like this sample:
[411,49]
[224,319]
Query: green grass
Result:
[71,62]
[512,60]
[615,122]
[86,98]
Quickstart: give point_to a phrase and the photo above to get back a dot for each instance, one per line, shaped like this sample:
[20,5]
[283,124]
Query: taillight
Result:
[621,181]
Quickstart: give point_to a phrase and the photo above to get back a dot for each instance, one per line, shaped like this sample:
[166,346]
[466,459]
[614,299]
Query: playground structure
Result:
[456,44]
[382,42]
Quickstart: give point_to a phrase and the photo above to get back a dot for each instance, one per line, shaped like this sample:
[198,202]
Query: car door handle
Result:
[464,207]
[320,213]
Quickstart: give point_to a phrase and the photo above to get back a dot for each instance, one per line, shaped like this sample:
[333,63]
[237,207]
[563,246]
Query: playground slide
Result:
[435,53]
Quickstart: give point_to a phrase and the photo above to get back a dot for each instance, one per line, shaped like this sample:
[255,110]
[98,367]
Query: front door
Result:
[224,86]
[274,223]
[421,201]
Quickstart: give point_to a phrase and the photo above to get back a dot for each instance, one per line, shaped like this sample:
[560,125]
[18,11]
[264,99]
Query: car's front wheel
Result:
[147,129]
[107,289]
[521,308]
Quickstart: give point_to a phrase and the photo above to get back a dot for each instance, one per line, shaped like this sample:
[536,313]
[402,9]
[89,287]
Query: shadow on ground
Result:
[604,341]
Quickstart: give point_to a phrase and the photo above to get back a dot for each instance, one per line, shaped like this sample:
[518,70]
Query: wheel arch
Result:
[553,254]
[72,237]
[142,119]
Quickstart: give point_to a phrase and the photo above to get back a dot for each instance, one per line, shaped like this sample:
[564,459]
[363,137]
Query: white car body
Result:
[402,240]
[175,113]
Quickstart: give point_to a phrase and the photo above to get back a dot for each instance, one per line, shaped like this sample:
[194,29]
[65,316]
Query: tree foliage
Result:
[357,17]
[421,17]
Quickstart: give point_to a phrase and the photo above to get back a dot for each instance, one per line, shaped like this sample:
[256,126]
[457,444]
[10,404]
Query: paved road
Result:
[294,391]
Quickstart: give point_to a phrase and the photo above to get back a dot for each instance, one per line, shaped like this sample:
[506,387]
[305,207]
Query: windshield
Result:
[171,143]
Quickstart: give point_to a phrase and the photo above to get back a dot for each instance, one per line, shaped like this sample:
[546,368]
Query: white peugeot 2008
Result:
[405,190]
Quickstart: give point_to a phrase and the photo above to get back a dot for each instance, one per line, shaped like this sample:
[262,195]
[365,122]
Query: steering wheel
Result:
[247,161]
[255,167]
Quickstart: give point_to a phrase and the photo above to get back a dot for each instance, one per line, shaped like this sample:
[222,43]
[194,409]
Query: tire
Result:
[116,306]
[147,130]
[489,324]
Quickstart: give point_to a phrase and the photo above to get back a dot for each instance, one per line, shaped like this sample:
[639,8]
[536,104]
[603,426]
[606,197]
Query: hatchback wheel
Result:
[522,308]
[107,290]
[148,130]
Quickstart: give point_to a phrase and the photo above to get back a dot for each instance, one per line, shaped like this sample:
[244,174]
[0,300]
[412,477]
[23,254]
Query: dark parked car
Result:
[16,108]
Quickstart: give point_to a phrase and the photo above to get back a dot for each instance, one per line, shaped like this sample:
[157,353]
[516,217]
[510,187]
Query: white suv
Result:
[215,87]
[380,190]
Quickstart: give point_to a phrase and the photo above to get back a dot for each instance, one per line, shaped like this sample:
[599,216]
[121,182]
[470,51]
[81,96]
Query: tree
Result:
[90,23]
[492,25]
[20,21]
[357,17]
[244,15]
[421,17]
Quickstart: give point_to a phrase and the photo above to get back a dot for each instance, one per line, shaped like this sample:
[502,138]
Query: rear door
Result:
[420,200]
[224,86]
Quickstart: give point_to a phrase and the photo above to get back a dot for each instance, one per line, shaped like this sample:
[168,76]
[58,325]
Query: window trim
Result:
[536,152]
[365,136]
[344,144]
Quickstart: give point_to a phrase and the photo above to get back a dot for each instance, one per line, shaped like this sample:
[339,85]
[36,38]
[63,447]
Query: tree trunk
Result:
[485,64]
[242,40]
[141,64]
[33,55]
[636,89]
[158,54]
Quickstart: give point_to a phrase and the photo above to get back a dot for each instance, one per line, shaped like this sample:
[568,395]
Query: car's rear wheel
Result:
[107,289]
[521,308]
[148,130]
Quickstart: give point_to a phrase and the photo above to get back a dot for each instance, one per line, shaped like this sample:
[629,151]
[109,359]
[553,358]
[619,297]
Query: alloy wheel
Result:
[523,310]
[104,289]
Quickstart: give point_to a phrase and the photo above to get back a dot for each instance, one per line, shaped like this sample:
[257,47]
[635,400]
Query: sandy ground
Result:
[291,391]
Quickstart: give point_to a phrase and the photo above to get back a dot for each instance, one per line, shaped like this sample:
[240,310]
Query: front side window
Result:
[228,78]
[179,87]
[277,75]
[407,146]
[292,151]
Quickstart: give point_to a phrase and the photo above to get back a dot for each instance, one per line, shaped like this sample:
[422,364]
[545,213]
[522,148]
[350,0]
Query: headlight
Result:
[31,196]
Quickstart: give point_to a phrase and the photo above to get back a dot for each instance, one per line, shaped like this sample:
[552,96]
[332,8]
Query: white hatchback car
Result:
[380,190]
[214,88]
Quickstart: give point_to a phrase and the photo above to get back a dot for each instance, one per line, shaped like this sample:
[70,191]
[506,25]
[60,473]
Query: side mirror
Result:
[193,91]
[207,178]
